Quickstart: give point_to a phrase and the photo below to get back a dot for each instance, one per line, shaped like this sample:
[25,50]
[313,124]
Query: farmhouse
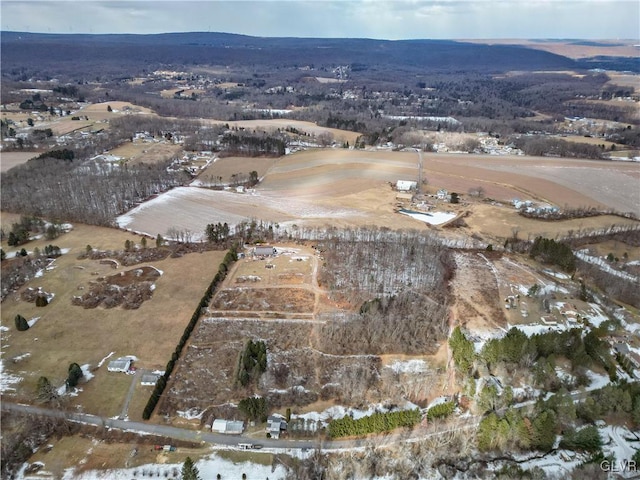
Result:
[405,185]
[119,365]
[264,251]
[230,427]
[275,425]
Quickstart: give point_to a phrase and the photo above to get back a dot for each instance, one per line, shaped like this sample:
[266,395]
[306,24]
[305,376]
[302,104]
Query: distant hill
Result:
[126,52]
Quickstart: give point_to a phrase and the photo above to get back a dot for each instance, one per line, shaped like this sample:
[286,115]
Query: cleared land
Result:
[572,49]
[351,188]
[65,333]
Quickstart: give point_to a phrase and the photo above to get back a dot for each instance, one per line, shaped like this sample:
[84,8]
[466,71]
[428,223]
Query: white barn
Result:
[406,185]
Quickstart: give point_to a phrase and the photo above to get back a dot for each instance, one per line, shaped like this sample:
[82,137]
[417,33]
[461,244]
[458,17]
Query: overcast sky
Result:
[390,19]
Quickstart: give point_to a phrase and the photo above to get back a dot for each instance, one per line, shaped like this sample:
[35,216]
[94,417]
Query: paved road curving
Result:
[220,439]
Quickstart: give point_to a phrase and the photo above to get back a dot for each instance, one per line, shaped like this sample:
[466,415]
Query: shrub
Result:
[21,323]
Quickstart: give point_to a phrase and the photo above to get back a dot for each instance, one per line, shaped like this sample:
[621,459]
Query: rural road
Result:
[220,439]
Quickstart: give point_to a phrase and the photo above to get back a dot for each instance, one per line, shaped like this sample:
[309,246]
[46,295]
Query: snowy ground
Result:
[435,218]
[209,468]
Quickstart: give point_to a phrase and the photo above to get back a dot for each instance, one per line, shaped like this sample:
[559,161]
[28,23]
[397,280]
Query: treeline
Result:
[555,147]
[378,422]
[253,145]
[537,354]
[87,192]
[549,251]
[161,384]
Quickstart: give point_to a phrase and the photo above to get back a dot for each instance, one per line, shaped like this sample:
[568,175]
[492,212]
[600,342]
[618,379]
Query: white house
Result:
[119,365]
[275,425]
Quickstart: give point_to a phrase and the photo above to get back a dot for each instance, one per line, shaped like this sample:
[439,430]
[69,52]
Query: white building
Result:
[406,185]
[119,365]
[230,427]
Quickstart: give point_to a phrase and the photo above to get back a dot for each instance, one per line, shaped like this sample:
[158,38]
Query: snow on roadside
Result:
[338,411]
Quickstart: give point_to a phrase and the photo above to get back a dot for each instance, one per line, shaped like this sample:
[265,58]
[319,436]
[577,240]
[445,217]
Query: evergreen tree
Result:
[21,323]
[41,301]
[189,470]
[75,373]
[159,241]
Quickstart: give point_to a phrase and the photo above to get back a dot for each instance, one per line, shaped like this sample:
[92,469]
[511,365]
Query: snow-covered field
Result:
[191,209]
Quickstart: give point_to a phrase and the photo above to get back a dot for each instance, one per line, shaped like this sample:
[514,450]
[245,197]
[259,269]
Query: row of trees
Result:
[376,423]
[161,384]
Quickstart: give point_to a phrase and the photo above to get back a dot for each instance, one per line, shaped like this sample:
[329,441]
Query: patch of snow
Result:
[409,366]
[7,380]
[209,468]
[39,273]
[33,321]
[20,357]
[598,317]
[437,401]
[597,380]
[3,328]
[435,218]
[101,362]
[65,250]
[191,414]
[158,372]
[86,373]
[535,328]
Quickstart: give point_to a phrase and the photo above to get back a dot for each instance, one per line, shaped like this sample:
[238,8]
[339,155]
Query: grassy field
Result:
[66,333]
[227,166]
[143,152]
[11,159]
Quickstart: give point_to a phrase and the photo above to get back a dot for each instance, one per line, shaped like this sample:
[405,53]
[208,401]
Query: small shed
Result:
[119,365]
[229,427]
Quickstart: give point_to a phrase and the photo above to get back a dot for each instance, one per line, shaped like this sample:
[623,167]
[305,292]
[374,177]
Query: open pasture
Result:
[221,170]
[146,152]
[65,333]
[307,127]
